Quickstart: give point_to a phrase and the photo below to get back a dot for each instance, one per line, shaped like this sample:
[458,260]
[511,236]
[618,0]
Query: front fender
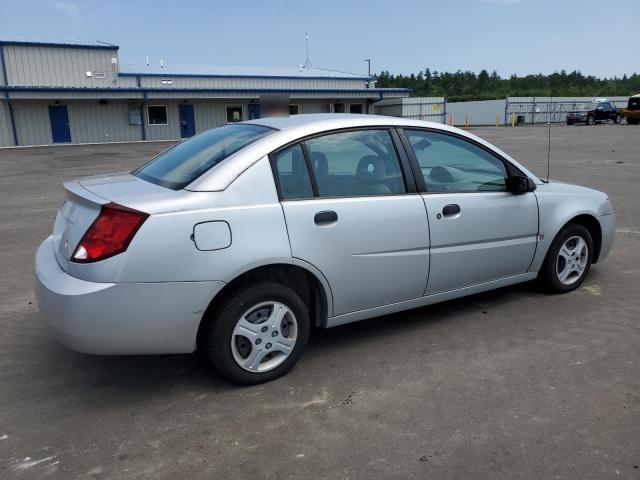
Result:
[558,204]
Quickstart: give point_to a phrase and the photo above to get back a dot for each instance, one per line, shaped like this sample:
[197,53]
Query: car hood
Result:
[589,195]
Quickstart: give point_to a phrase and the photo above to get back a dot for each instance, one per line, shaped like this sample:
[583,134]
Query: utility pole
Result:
[368,60]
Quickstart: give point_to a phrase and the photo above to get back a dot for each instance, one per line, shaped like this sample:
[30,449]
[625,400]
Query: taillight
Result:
[109,234]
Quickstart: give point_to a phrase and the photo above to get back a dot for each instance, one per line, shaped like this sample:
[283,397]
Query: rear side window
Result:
[451,164]
[182,164]
[355,163]
[293,174]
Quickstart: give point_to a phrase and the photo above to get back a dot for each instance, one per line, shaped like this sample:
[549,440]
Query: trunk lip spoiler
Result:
[76,190]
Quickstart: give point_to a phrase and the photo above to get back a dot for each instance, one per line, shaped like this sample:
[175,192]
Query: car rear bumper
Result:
[608,227]
[117,318]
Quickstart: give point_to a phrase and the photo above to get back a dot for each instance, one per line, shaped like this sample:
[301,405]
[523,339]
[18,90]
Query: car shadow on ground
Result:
[128,378]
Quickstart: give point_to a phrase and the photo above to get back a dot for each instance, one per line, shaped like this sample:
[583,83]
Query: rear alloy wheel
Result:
[591,120]
[568,259]
[617,119]
[257,333]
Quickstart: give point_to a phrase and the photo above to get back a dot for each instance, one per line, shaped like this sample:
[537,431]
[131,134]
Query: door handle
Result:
[450,210]
[328,216]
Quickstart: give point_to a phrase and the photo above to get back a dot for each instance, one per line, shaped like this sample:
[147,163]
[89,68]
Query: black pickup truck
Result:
[594,112]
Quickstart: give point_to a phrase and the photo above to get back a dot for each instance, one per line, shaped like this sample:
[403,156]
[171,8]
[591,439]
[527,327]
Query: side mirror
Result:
[520,184]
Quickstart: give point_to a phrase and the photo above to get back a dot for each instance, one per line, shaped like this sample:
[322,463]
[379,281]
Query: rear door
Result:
[479,231]
[352,214]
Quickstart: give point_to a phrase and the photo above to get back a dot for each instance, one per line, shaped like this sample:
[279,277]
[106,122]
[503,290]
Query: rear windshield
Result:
[182,164]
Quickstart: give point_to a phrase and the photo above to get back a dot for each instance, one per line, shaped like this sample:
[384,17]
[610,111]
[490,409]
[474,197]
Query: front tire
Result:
[591,120]
[257,333]
[568,260]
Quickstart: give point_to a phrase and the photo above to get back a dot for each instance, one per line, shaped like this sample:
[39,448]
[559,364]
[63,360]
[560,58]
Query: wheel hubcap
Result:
[264,336]
[572,260]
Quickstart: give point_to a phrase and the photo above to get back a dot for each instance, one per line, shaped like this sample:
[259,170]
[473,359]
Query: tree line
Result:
[464,86]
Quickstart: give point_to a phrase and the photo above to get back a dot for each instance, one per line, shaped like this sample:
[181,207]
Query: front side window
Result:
[182,164]
[234,114]
[293,173]
[451,164]
[355,163]
[157,114]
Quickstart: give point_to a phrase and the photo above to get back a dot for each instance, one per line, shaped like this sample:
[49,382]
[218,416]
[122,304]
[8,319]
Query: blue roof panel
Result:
[236,71]
[48,42]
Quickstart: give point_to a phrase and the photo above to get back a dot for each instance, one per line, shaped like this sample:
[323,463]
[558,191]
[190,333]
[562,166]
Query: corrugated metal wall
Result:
[6,135]
[311,107]
[545,109]
[61,67]
[249,83]
[431,109]
[32,123]
[479,113]
[91,122]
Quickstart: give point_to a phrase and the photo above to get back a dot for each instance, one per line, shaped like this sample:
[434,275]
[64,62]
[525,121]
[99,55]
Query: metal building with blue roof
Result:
[78,92]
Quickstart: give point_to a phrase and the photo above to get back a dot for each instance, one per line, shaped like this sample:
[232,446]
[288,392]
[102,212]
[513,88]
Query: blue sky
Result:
[403,36]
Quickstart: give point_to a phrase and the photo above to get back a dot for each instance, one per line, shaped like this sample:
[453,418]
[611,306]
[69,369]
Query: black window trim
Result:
[511,169]
[403,159]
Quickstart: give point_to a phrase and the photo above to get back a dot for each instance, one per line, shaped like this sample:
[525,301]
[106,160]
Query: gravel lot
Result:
[508,384]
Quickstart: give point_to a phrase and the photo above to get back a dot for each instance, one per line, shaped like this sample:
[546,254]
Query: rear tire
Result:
[617,119]
[568,260]
[569,122]
[257,333]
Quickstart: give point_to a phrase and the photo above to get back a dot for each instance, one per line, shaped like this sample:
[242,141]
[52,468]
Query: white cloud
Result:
[69,8]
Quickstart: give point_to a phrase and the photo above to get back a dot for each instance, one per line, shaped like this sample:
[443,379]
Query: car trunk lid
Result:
[84,199]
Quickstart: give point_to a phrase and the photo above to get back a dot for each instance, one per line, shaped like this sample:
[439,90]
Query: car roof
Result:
[295,127]
[324,120]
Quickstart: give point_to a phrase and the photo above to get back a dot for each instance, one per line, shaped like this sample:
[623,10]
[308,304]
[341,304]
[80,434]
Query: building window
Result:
[293,109]
[355,108]
[157,114]
[234,113]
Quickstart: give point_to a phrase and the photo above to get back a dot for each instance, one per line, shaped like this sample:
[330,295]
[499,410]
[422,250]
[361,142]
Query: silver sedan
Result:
[238,240]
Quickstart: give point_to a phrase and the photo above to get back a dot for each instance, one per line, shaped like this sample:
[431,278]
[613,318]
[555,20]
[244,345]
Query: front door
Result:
[355,222]
[479,231]
[59,118]
[187,121]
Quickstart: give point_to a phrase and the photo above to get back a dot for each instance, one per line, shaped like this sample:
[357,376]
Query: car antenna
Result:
[549,146]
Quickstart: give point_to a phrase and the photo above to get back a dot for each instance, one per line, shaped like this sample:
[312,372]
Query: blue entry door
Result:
[187,121]
[254,111]
[59,118]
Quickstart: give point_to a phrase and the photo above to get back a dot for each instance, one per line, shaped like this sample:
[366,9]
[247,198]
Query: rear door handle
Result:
[328,216]
[450,210]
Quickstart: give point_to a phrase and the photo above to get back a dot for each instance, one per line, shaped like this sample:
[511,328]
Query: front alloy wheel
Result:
[568,259]
[572,260]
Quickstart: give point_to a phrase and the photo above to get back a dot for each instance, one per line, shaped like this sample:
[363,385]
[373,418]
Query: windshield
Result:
[587,106]
[182,164]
